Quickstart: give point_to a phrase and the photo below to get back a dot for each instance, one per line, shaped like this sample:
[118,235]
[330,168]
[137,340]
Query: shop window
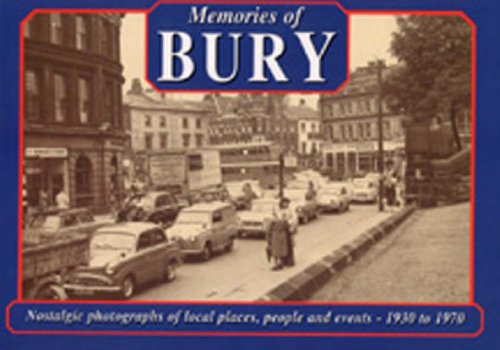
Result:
[83,182]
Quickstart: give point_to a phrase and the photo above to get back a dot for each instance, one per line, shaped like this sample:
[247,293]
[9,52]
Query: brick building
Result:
[350,122]
[74,136]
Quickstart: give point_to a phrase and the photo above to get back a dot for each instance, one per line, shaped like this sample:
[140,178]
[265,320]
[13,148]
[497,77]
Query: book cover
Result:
[249,174]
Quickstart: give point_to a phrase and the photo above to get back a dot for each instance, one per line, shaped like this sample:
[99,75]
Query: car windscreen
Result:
[50,222]
[362,184]
[193,217]
[113,241]
[263,206]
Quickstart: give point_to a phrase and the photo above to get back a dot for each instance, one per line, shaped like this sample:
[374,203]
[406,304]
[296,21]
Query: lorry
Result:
[46,260]
[184,172]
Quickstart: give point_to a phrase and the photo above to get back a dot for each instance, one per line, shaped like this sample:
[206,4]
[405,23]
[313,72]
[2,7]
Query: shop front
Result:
[47,173]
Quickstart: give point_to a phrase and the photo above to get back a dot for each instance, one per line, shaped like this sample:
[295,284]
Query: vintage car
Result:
[44,225]
[305,208]
[204,228]
[364,191]
[241,193]
[159,207]
[124,257]
[334,197]
[255,222]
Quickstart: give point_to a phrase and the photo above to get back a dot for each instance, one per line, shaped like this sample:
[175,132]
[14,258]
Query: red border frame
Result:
[348,13]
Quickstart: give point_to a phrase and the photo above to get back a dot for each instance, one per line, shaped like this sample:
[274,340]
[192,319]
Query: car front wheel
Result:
[170,272]
[207,252]
[128,287]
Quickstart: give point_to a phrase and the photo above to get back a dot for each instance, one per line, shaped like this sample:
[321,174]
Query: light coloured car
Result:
[204,228]
[334,198]
[365,191]
[255,222]
[124,257]
[306,209]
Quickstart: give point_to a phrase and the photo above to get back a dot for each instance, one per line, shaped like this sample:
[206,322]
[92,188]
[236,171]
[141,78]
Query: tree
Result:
[433,77]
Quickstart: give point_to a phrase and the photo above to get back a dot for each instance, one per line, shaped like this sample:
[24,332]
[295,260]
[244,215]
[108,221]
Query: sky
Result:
[370,39]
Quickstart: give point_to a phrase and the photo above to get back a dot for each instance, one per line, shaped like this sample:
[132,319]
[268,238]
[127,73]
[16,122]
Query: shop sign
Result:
[46,152]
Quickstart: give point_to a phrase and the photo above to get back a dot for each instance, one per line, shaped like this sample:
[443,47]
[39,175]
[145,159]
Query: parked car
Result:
[44,225]
[365,191]
[205,228]
[124,257]
[159,207]
[255,222]
[334,198]
[306,209]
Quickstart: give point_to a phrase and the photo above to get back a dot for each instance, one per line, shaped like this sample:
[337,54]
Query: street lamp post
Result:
[379,66]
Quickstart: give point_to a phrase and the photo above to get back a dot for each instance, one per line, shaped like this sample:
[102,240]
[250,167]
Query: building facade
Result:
[73,129]
[157,122]
[350,125]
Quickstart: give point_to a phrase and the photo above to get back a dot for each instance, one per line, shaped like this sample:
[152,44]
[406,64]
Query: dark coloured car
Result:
[159,207]
[124,257]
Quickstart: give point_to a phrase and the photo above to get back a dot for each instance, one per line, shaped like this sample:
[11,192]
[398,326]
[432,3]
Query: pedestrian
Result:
[311,192]
[62,199]
[390,192]
[43,200]
[280,245]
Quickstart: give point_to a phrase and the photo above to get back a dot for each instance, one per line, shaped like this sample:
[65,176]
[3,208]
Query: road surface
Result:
[245,275]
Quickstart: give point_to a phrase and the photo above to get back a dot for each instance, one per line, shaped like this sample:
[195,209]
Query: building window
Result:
[60,98]
[32,95]
[350,132]
[147,120]
[148,141]
[56,33]
[83,100]
[349,107]
[109,108]
[195,162]
[186,140]
[106,40]
[163,140]
[304,147]
[198,123]
[368,127]
[163,121]
[81,33]
[361,132]
[199,140]
[368,106]
[313,127]
[343,132]
[303,127]
[185,123]
[28,29]
[387,129]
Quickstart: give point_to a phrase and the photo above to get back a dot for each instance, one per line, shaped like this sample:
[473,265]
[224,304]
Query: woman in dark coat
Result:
[279,240]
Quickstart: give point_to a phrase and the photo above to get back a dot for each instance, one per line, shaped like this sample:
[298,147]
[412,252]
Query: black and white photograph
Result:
[130,193]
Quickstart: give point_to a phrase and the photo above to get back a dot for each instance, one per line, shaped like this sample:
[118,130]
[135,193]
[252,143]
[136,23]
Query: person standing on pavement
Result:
[284,215]
[62,199]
